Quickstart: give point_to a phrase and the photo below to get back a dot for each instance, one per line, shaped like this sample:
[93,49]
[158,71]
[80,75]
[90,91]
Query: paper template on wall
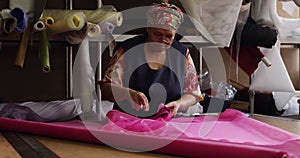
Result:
[216,21]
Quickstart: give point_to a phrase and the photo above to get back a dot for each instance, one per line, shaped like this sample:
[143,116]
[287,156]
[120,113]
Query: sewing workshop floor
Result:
[17,145]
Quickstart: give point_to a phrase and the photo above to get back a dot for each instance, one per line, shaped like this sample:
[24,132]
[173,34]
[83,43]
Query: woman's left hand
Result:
[175,106]
[182,104]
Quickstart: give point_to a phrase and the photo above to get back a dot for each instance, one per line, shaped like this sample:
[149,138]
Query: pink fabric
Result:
[131,123]
[232,135]
[230,126]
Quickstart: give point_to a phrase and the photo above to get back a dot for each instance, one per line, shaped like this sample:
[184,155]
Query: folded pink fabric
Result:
[135,124]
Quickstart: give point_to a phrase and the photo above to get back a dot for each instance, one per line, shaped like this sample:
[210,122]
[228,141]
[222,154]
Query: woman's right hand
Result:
[138,100]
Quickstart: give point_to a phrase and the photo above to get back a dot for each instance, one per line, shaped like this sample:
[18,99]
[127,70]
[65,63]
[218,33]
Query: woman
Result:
[153,69]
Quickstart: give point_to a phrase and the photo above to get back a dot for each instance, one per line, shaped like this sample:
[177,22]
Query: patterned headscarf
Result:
[164,14]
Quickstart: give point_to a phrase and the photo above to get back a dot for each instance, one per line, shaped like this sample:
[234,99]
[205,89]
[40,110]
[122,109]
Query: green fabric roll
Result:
[44,50]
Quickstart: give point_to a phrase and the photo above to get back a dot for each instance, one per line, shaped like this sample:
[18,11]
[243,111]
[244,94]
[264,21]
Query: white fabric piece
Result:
[292,107]
[84,77]
[215,20]
[265,12]
[105,107]
[289,7]
[57,110]
[282,99]
[273,78]
[295,34]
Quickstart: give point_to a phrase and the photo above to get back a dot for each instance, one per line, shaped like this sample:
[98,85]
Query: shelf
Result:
[290,42]
[15,37]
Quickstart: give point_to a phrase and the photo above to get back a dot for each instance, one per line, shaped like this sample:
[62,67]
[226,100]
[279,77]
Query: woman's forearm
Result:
[113,92]
[187,100]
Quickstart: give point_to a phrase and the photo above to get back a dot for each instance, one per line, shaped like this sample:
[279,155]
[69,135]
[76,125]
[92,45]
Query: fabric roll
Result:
[12,110]
[44,51]
[48,21]
[39,26]
[20,58]
[27,5]
[71,22]
[5,13]
[94,16]
[9,24]
[56,110]
[106,27]
[94,30]
[21,17]
[76,37]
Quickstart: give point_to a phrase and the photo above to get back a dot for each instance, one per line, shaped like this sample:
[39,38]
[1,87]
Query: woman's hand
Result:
[182,104]
[175,106]
[138,100]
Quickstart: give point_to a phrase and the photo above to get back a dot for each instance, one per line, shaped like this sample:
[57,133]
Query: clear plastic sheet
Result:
[223,90]
[219,89]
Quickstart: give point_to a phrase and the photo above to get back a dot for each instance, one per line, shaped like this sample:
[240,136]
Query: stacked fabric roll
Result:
[14,20]
[75,25]
[41,28]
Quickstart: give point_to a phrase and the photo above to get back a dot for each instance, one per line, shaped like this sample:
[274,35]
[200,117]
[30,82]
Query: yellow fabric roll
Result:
[75,37]
[48,21]
[71,22]
[93,16]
